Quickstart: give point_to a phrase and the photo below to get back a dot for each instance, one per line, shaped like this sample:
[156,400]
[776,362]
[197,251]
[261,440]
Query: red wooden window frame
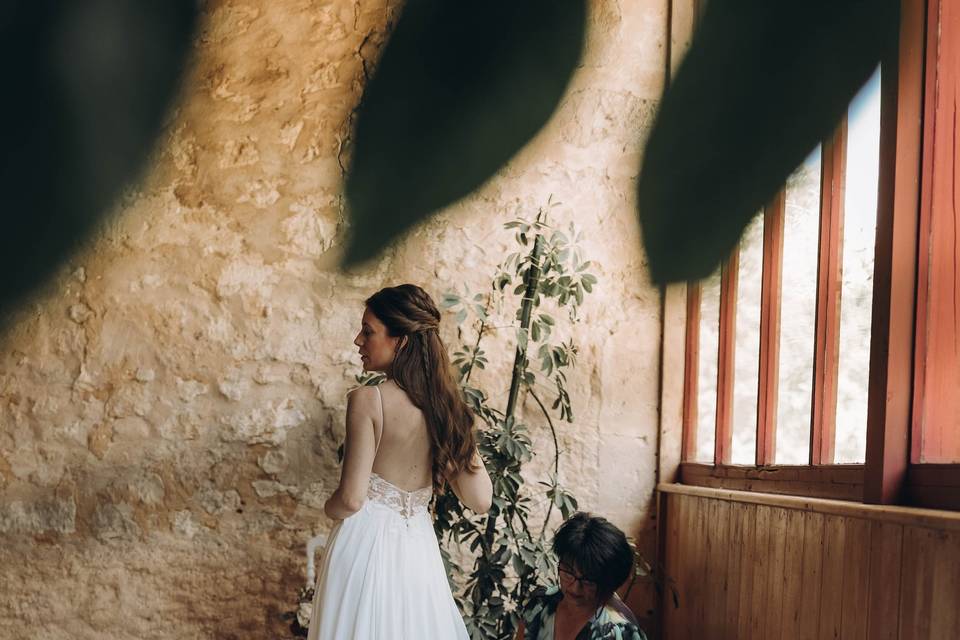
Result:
[913,189]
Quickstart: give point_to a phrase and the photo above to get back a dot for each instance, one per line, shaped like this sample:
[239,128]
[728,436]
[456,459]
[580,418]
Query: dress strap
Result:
[378,436]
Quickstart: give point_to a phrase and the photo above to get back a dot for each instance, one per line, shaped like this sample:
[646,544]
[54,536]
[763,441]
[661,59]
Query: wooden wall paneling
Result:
[669,531]
[895,267]
[831,579]
[883,610]
[735,551]
[792,575]
[687,544]
[673,557]
[891,514]
[748,560]
[812,571]
[856,579]
[718,540]
[916,582]
[945,615]
[761,572]
[700,594]
[693,554]
[773,607]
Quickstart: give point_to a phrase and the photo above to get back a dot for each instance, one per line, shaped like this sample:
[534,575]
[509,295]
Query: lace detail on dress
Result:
[406,503]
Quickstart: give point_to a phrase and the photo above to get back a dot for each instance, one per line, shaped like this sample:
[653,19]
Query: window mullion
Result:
[769,368]
[691,372]
[827,332]
[725,357]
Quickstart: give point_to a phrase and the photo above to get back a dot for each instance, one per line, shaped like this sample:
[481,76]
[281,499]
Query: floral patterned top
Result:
[614,621]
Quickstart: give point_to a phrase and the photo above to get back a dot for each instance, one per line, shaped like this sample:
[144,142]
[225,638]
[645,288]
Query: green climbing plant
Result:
[535,291]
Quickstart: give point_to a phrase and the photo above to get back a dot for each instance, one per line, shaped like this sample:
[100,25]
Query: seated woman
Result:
[594,559]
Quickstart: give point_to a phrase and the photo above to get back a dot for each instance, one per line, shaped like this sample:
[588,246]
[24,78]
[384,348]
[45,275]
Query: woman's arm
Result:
[473,486]
[520,630]
[359,450]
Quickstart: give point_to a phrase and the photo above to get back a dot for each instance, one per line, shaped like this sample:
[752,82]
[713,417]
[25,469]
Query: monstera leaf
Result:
[86,89]
[763,82]
[459,89]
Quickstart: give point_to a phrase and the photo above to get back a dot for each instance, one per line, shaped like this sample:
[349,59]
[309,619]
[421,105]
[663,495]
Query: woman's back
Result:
[403,457]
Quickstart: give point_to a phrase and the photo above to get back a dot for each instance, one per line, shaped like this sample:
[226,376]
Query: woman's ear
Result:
[402,343]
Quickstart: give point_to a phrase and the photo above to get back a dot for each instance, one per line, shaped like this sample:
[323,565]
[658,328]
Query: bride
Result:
[382,575]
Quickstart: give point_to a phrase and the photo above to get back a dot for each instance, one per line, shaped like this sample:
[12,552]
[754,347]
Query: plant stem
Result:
[476,345]
[526,308]
[556,454]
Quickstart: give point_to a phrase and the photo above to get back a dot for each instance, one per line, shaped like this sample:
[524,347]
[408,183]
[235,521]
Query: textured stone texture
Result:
[171,404]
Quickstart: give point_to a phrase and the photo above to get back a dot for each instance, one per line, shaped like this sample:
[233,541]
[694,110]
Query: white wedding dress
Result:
[382,577]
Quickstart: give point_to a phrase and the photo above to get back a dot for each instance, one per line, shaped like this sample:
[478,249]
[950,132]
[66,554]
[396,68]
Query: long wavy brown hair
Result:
[422,369]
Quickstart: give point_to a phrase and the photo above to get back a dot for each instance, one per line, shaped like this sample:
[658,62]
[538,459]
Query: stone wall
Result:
[170,406]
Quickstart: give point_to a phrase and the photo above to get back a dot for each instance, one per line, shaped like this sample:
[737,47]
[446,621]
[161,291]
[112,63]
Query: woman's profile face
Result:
[377,347]
[575,586]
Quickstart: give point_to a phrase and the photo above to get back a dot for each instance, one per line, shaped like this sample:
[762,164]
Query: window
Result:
[824,357]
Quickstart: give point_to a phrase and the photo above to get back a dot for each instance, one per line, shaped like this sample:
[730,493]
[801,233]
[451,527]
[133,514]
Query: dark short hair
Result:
[597,549]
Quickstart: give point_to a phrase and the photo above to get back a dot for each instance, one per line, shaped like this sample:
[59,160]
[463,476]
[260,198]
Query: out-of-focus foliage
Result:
[86,88]
[762,84]
[459,89]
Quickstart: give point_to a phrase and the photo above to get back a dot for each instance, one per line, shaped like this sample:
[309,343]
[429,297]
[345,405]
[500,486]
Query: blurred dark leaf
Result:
[88,84]
[762,84]
[460,88]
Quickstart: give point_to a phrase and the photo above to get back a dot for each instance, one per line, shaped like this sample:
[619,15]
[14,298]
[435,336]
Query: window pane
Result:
[798,312]
[856,295]
[747,345]
[707,368]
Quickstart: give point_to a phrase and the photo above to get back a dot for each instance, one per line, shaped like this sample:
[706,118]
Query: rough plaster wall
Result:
[170,406]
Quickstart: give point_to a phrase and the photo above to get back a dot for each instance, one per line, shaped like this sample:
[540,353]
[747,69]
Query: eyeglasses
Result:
[568,577]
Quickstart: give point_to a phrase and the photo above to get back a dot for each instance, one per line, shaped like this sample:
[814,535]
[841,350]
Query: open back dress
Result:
[382,576]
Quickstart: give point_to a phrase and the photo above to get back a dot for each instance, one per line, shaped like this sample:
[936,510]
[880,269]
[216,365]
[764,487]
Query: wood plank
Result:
[770,289]
[691,372]
[910,516]
[856,579]
[793,575]
[934,497]
[773,607]
[936,432]
[726,357]
[697,550]
[829,277]
[945,614]
[666,557]
[734,571]
[674,565]
[811,572]
[883,610]
[916,586]
[746,570]
[831,582]
[761,572]
[673,323]
[890,386]
[718,547]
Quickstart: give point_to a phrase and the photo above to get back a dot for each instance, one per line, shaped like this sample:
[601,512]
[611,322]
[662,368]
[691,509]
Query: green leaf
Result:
[761,85]
[87,86]
[459,89]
